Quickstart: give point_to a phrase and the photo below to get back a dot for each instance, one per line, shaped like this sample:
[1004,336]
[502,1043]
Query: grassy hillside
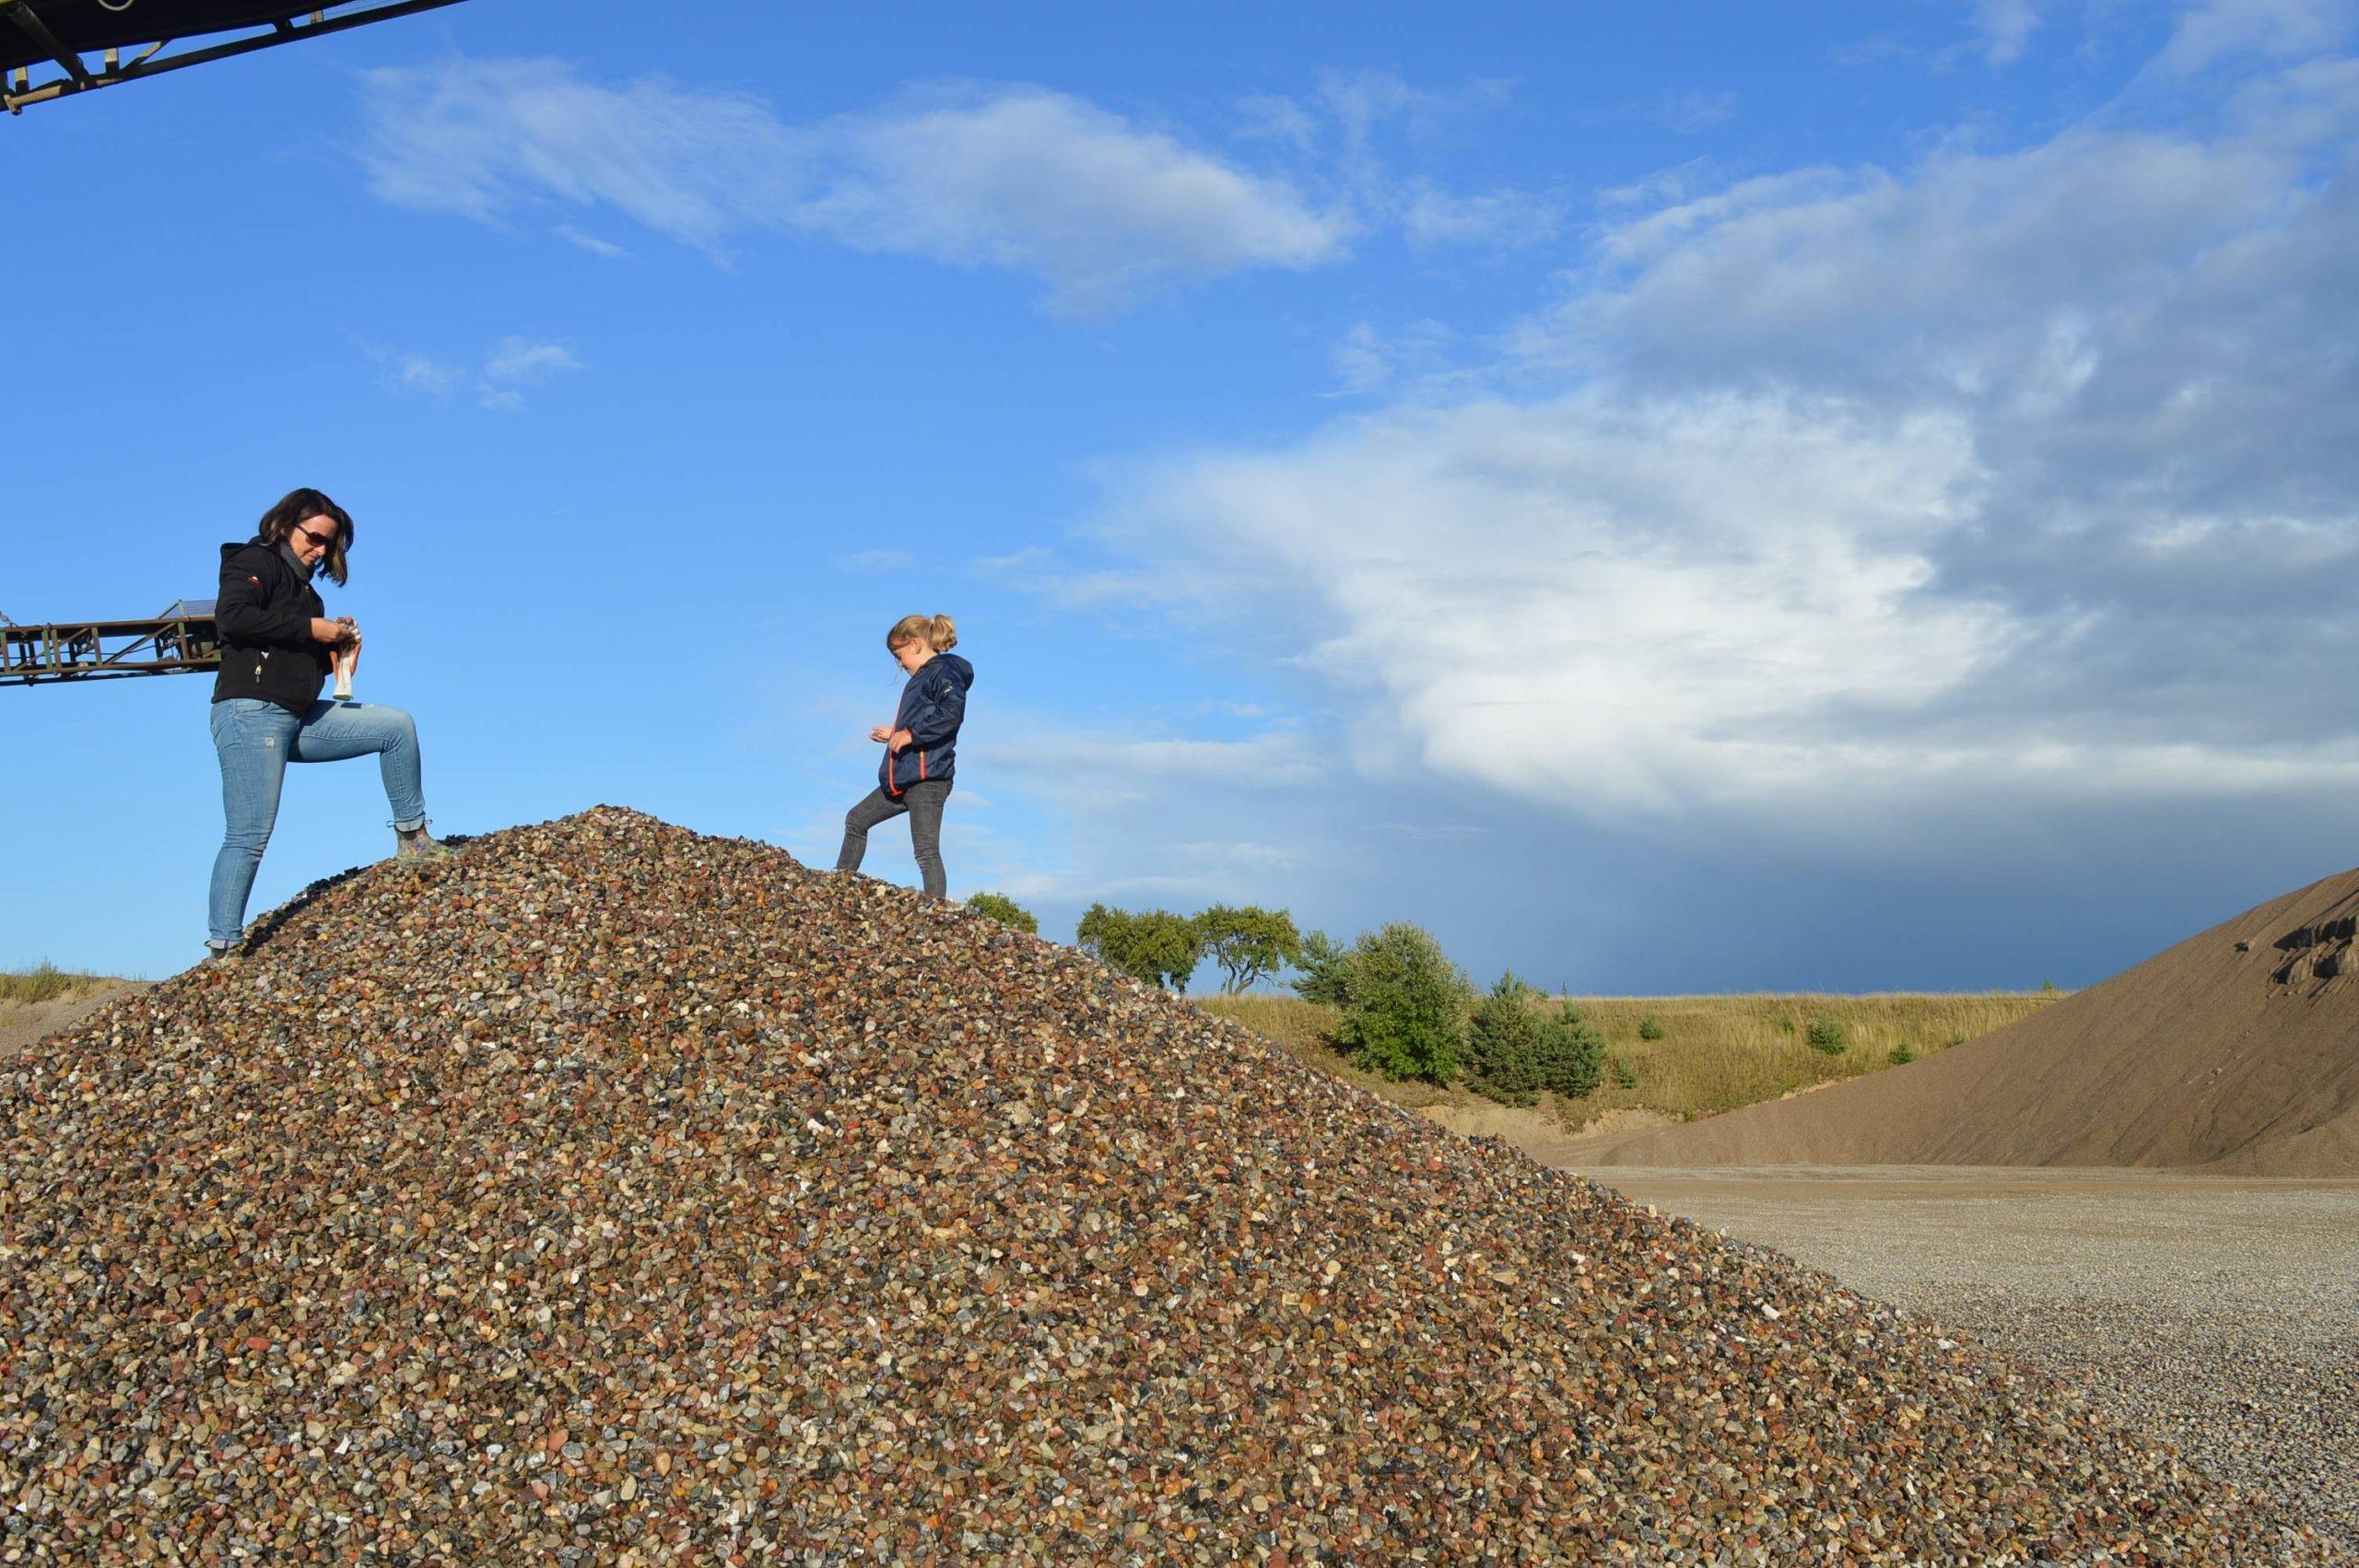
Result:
[47,982]
[1716,1052]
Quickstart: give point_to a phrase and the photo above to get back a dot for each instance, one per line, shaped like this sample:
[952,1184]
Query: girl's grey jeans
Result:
[923,802]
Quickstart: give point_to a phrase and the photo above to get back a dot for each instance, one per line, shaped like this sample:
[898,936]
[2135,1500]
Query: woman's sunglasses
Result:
[325,540]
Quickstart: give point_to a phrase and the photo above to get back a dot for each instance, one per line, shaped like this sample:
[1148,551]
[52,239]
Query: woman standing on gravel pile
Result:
[278,648]
[920,747]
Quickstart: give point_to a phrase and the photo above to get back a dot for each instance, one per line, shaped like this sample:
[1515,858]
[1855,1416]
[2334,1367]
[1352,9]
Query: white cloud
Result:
[1367,361]
[2004,26]
[518,361]
[1667,602]
[2006,479]
[1502,220]
[512,363]
[1042,182]
[1011,176]
[590,242]
[1102,206]
[1693,111]
[415,375]
[2210,30]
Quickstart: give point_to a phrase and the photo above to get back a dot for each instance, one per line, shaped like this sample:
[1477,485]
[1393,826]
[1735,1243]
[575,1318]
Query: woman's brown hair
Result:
[301,506]
[937,632]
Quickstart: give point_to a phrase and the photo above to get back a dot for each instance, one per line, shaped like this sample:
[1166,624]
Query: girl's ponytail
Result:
[937,632]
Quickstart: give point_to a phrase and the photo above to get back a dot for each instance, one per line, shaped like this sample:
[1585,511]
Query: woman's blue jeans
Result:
[256,740]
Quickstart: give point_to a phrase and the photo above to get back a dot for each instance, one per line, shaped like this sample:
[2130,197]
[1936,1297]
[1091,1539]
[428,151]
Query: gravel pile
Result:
[614,1194]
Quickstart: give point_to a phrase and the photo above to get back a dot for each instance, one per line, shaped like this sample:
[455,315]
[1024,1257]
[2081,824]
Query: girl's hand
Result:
[898,741]
[880,732]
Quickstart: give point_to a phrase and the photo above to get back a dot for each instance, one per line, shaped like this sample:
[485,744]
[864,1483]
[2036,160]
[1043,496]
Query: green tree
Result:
[1323,971]
[1406,1014]
[1155,945]
[1517,1046]
[1248,943]
[1007,911]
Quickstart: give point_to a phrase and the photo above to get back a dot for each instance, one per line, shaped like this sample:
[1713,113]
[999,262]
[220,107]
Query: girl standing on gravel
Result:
[920,747]
[278,648]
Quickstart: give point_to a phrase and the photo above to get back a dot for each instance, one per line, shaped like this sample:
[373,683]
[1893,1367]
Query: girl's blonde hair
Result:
[937,632]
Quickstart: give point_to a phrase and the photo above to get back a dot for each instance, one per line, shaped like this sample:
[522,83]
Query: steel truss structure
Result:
[179,641]
[58,33]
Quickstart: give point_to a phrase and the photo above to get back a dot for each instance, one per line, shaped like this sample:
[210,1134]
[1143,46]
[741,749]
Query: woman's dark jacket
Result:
[264,613]
[933,705]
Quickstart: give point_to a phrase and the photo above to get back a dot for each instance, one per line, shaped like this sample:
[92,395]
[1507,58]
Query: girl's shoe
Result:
[221,957]
[417,844]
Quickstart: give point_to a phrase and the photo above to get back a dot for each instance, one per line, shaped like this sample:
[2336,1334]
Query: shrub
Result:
[1323,971]
[1155,946]
[1903,1054]
[1826,1037]
[1957,1039]
[1405,1015]
[1007,911]
[1649,1029]
[1785,1024]
[1248,943]
[1514,1050]
[1624,1075]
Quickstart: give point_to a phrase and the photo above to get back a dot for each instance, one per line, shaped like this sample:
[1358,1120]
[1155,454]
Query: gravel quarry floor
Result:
[2220,1315]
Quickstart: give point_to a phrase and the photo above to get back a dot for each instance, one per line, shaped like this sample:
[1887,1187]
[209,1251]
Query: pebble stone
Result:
[614,1194]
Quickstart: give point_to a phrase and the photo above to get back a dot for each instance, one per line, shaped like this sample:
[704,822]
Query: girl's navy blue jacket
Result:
[933,706]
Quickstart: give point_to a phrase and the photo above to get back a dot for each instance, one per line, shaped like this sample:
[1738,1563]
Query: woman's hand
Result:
[880,732]
[898,741]
[331,632]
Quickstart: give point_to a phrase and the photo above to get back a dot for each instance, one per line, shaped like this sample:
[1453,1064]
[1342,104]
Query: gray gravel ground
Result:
[2219,1316]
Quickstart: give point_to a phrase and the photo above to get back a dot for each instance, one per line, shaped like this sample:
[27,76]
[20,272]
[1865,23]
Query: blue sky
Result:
[1708,498]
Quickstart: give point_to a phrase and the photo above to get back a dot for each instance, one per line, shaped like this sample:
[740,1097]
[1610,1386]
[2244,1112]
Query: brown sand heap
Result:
[2237,1051]
[614,1194]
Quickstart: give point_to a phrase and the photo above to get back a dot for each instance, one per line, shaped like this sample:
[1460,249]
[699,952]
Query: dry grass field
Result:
[1714,1053]
[47,982]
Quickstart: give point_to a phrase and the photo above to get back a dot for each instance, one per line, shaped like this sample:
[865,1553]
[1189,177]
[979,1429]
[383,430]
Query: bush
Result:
[1405,1011]
[1323,971]
[1957,1039]
[1649,1029]
[1248,943]
[1007,911]
[1513,1051]
[1785,1024]
[1827,1039]
[1624,1075]
[1903,1054]
[1156,946]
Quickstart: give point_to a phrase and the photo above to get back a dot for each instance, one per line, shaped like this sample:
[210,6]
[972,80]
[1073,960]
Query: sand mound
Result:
[2237,1051]
[613,1194]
